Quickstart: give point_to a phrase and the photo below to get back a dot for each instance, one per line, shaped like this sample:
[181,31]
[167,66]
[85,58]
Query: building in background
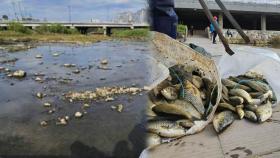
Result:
[250,14]
[138,17]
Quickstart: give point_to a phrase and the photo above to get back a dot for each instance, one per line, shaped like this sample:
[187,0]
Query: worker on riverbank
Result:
[213,31]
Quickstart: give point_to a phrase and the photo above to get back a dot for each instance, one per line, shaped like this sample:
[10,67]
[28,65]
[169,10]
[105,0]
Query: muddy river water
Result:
[102,132]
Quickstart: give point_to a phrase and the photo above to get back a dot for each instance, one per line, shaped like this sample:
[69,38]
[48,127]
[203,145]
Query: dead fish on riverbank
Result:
[18,74]
[255,104]
[223,120]
[166,129]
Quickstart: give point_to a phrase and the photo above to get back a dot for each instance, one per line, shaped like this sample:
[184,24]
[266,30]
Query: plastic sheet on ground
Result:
[255,59]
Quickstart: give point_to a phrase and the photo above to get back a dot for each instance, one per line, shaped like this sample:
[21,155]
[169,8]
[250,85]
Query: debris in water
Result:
[55,54]
[43,123]
[102,67]
[86,106]
[69,65]
[104,62]
[78,115]
[18,74]
[118,107]
[39,56]
[39,79]
[39,95]
[101,93]
[109,99]
[47,105]
[76,71]
[51,111]
[61,121]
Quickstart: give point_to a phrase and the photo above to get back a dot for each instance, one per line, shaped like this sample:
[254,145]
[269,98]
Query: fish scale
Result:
[195,101]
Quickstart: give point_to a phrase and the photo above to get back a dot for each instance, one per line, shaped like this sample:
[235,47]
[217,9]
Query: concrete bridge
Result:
[83,27]
[250,15]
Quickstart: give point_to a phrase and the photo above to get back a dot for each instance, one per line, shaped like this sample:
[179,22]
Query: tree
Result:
[5,17]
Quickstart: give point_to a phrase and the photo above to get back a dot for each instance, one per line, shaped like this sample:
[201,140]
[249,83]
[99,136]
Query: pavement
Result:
[243,139]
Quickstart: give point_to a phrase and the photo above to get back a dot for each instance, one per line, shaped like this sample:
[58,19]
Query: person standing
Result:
[213,31]
[191,30]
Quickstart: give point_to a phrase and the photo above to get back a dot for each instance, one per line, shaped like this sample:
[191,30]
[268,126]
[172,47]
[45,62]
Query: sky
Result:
[81,10]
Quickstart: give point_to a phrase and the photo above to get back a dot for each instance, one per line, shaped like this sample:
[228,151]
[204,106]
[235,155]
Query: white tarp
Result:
[256,59]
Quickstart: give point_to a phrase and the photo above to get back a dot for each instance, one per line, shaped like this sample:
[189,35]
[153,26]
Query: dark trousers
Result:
[214,36]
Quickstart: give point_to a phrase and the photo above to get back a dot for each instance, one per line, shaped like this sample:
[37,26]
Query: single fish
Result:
[179,107]
[264,112]
[234,79]
[235,100]
[167,129]
[185,123]
[251,107]
[160,87]
[228,83]
[222,120]
[152,139]
[265,96]
[241,93]
[227,106]
[258,86]
[254,75]
[191,94]
[232,84]
[170,93]
[250,115]
[226,98]
[240,111]
[255,94]
[197,81]
[225,90]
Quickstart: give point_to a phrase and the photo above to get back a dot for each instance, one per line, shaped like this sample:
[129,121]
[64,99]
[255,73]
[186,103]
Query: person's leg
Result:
[214,36]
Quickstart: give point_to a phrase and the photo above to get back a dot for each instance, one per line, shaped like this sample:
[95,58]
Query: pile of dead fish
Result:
[249,96]
[177,102]
[105,93]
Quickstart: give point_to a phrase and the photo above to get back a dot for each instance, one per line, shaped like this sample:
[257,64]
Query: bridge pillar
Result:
[263,22]
[221,20]
[33,27]
[107,31]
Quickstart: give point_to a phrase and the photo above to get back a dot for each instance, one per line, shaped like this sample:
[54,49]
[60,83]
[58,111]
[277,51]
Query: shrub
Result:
[56,28]
[18,27]
[128,33]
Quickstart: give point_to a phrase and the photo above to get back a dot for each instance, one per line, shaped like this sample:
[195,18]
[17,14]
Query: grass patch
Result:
[141,34]
[11,36]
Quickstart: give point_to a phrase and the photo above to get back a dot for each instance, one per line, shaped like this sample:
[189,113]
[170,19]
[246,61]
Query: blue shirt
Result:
[212,28]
